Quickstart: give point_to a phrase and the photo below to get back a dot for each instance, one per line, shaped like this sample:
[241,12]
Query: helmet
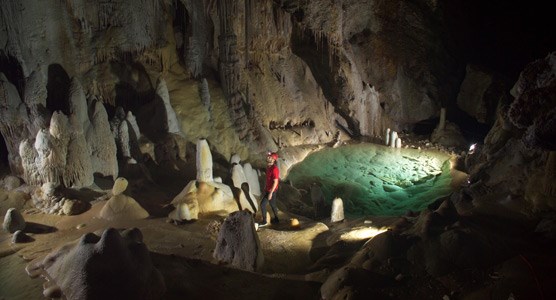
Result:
[274,155]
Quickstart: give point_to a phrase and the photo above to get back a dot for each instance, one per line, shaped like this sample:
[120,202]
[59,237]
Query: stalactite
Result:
[229,69]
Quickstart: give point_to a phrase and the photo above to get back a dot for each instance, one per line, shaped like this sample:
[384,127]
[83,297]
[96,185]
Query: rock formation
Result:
[120,206]
[113,266]
[238,243]
[13,221]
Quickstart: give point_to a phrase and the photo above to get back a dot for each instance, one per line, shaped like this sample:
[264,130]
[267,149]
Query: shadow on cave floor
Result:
[202,280]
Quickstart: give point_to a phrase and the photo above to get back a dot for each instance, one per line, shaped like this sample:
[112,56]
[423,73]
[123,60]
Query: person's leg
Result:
[264,202]
[274,208]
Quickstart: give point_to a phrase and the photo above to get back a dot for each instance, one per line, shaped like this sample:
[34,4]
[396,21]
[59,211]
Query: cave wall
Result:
[249,76]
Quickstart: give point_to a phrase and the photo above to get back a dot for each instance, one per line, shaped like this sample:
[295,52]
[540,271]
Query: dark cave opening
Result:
[11,68]
[182,29]
[57,89]
[472,130]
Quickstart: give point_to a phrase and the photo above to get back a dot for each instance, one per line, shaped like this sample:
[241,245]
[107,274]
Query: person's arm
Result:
[273,189]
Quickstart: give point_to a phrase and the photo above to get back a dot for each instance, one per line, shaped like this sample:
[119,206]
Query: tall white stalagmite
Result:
[52,147]
[79,170]
[393,137]
[172,119]
[387,137]
[252,179]
[204,161]
[78,104]
[102,143]
[47,161]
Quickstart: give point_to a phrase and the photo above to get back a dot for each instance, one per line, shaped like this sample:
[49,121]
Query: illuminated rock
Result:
[238,243]
[120,185]
[202,197]
[387,137]
[398,143]
[186,204]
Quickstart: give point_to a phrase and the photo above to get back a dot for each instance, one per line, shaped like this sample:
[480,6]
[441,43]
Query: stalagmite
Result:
[78,104]
[442,122]
[238,176]
[172,119]
[235,159]
[393,137]
[252,179]
[29,159]
[130,118]
[398,143]
[78,170]
[204,161]
[123,139]
[387,137]
[120,206]
[337,214]
[102,143]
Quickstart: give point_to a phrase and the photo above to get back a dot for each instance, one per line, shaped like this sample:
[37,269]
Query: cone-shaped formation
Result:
[204,161]
[102,143]
[120,206]
[172,120]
